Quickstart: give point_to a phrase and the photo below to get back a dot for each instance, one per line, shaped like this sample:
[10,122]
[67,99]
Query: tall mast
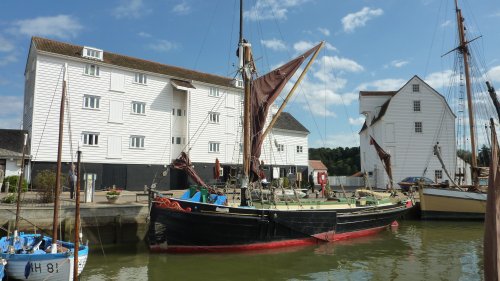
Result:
[20,184]
[464,50]
[245,57]
[55,220]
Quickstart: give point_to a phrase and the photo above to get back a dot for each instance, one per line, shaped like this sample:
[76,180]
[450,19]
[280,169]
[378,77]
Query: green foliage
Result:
[13,182]
[286,182]
[9,199]
[340,161]
[484,156]
[465,155]
[45,182]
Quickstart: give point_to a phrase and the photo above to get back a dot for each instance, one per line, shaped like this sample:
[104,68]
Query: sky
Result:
[370,45]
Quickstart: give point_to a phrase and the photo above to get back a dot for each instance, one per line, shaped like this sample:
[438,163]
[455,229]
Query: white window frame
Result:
[138,108]
[280,147]
[93,53]
[214,92]
[137,142]
[90,138]
[300,148]
[438,174]
[214,117]
[214,147]
[419,127]
[417,106]
[91,102]
[415,88]
[89,72]
[141,78]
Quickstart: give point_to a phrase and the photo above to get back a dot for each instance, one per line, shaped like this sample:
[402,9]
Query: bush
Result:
[9,199]
[45,182]
[13,182]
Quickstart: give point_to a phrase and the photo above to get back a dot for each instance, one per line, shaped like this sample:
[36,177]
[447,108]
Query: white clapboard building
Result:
[407,123]
[133,116]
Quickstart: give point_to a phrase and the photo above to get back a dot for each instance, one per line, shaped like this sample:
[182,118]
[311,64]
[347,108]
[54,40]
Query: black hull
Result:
[207,227]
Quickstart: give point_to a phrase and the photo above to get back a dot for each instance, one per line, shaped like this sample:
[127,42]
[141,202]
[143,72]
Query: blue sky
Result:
[371,45]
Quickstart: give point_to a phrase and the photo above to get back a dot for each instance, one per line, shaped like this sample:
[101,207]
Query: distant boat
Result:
[36,257]
[204,222]
[458,201]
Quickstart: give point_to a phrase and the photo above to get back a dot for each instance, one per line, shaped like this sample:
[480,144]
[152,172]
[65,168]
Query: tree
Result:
[340,161]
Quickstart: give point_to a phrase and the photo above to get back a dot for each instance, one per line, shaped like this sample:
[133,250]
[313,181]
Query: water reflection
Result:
[415,251]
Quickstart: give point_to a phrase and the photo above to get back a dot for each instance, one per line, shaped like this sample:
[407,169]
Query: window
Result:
[140,78]
[213,147]
[138,107]
[173,111]
[91,102]
[280,147]
[418,127]
[91,139]
[299,149]
[438,174]
[416,88]
[416,106]
[214,92]
[173,140]
[137,142]
[178,140]
[92,53]
[92,70]
[213,117]
[179,112]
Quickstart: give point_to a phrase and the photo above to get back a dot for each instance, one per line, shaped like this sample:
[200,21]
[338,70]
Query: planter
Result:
[112,198]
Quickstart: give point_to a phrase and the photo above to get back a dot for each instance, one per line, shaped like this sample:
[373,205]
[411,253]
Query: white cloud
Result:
[382,85]
[162,46]
[271,9]
[396,63]
[446,23]
[497,14]
[131,9]
[10,58]
[182,8]
[338,140]
[357,121]
[494,73]
[324,31]
[5,45]
[303,46]
[438,80]
[11,105]
[338,63]
[359,19]
[144,34]
[274,44]
[62,26]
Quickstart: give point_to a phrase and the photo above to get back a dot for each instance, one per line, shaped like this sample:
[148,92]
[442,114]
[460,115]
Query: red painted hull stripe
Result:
[263,246]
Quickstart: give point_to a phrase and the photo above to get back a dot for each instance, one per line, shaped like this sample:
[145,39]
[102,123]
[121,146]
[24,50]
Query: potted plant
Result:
[113,194]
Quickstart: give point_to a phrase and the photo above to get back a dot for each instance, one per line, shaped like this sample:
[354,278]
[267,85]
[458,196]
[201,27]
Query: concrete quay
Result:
[102,222]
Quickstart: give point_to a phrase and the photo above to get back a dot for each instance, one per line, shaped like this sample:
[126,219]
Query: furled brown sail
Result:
[384,157]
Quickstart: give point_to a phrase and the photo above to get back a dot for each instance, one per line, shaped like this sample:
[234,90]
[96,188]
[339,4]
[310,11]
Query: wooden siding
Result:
[412,153]
[115,122]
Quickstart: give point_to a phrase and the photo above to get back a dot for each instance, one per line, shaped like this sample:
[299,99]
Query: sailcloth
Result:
[384,157]
[264,92]
[492,219]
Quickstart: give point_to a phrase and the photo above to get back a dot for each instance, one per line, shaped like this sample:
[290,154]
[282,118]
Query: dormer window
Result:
[92,53]
[140,78]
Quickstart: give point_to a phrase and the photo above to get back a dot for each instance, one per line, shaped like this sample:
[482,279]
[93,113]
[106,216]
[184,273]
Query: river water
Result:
[416,250]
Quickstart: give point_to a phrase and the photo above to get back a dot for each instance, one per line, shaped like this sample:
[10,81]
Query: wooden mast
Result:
[245,57]
[77,216]
[20,186]
[55,220]
[464,50]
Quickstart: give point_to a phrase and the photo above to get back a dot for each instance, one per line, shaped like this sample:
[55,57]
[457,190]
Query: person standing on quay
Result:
[71,180]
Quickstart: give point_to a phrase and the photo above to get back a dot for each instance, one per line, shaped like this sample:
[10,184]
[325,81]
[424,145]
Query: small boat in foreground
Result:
[29,258]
